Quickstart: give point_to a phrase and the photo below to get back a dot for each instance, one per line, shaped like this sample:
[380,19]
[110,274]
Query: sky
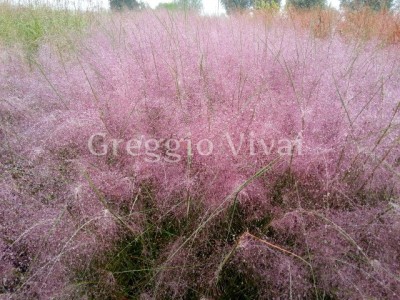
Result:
[209,6]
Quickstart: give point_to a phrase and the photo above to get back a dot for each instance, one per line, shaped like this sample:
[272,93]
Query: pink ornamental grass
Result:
[328,109]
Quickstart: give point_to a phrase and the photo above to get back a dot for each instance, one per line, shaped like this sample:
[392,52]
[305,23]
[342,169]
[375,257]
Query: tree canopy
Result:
[372,4]
[181,4]
[233,5]
[121,4]
[305,4]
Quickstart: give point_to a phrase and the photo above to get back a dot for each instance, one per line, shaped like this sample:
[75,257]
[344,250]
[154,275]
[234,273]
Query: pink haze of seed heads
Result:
[171,76]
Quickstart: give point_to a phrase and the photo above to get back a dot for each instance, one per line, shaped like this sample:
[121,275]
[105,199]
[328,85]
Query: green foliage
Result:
[190,4]
[195,5]
[30,26]
[267,4]
[234,283]
[131,266]
[235,5]
[124,4]
[134,260]
[376,5]
[306,4]
[168,6]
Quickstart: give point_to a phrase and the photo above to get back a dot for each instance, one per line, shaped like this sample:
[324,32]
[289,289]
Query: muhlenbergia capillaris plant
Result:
[163,155]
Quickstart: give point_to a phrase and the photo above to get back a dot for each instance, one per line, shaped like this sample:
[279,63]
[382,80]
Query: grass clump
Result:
[175,156]
[34,26]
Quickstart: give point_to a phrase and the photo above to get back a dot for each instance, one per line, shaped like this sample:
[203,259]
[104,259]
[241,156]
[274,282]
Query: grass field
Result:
[166,155]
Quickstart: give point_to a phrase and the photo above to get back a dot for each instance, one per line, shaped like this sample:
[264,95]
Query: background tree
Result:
[121,4]
[267,4]
[372,4]
[232,5]
[190,4]
[168,6]
[182,4]
[305,4]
